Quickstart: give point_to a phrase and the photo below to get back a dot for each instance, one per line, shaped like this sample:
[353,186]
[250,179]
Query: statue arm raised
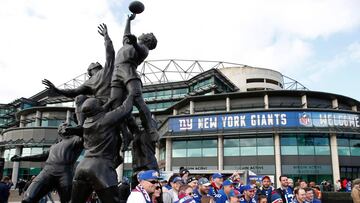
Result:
[66,92]
[33,158]
[127,31]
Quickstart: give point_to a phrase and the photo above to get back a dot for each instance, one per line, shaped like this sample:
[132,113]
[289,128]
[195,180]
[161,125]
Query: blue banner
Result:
[264,120]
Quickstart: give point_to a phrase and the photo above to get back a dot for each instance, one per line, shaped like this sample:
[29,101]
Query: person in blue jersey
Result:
[234,196]
[202,189]
[300,195]
[284,190]
[223,195]
[216,183]
[310,196]
[265,188]
[249,194]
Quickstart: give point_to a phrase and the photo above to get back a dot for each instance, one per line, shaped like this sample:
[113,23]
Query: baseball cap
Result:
[248,187]
[266,177]
[148,175]
[183,171]
[217,175]
[227,183]
[234,193]
[275,198]
[178,179]
[191,179]
[204,181]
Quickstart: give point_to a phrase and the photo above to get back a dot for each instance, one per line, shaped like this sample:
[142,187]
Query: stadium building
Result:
[213,116]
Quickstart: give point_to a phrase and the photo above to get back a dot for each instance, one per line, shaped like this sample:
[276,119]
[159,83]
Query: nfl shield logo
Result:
[305,119]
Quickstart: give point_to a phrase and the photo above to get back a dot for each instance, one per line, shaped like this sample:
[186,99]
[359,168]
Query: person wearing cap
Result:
[275,197]
[216,184]
[223,194]
[234,196]
[202,190]
[266,188]
[148,181]
[249,194]
[184,174]
[192,181]
[171,196]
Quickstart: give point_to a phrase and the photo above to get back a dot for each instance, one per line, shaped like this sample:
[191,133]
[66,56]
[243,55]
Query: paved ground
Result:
[14,197]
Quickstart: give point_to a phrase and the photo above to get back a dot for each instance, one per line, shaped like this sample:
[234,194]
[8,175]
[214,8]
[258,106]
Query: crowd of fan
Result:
[185,188]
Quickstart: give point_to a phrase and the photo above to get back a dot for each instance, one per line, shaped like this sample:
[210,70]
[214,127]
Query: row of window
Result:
[48,123]
[165,94]
[262,80]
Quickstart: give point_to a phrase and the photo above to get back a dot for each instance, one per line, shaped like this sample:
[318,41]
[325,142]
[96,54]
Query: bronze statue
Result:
[59,167]
[97,170]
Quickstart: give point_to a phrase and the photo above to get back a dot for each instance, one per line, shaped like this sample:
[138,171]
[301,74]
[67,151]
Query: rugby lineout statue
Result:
[103,109]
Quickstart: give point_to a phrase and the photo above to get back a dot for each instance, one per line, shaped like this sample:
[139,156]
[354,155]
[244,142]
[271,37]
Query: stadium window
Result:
[272,81]
[253,80]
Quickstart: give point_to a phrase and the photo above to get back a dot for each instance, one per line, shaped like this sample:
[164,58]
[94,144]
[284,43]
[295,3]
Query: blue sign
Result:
[264,120]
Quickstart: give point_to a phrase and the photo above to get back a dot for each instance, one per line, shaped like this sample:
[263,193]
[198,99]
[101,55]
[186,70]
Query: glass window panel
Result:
[344,151]
[231,151]
[194,153]
[288,141]
[265,150]
[209,143]
[247,151]
[179,145]
[209,152]
[355,151]
[289,150]
[322,150]
[36,150]
[305,140]
[179,153]
[231,142]
[194,144]
[321,141]
[248,142]
[265,141]
[306,150]
[354,143]
[343,142]
[26,151]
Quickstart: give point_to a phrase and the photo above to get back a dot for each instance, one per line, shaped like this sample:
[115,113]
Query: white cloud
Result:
[58,39]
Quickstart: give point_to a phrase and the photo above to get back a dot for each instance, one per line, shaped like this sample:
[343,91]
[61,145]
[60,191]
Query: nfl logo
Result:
[304,119]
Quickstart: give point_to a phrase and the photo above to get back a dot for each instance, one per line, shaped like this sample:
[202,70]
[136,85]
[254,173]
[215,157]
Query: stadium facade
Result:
[218,117]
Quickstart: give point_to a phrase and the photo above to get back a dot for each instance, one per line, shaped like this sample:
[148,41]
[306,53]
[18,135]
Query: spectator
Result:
[222,196]
[249,195]
[184,174]
[337,185]
[171,196]
[163,182]
[5,186]
[310,196]
[202,190]
[156,197]
[28,183]
[263,199]
[216,183]
[186,194]
[20,186]
[291,183]
[147,184]
[276,198]
[300,195]
[266,188]
[303,184]
[355,192]
[234,196]
[284,190]
[170,183]
[124,189]
[192,181]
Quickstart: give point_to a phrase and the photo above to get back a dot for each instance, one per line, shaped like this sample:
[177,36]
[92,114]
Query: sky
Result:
[315,42]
